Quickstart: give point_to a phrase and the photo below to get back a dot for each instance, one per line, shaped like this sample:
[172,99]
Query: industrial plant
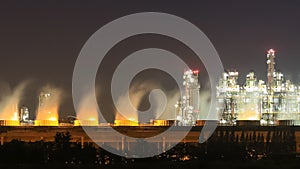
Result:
[274,102]
[188,109]
[254,108]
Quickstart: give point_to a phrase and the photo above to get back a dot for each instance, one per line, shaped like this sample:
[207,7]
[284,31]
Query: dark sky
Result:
[40,40]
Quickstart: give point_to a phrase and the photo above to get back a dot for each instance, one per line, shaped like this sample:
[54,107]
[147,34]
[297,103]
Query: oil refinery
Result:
[275,102]
[254,107]
[187,109]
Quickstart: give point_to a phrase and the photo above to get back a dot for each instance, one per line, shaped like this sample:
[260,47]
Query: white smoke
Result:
[49,102]
[9,100]
[158,111]
[87,110]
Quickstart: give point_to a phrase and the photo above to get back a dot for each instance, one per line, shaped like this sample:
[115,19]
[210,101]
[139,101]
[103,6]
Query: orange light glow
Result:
[9,123]
[248,115]
[53,119]
[49,101]
[48,117]
[126,122]
[46,123]
[89,122]
[92,119]
[87,113]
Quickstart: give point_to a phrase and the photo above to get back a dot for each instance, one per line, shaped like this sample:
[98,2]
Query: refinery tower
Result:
[273,103]
[187,109]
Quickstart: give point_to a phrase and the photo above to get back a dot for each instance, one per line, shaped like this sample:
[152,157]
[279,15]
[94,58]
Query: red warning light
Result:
[195,71]
[271,51]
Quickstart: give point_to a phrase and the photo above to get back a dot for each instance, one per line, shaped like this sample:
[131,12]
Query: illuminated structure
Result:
[249,107]
[188,109]
[271,68]
[227,93]
[276,102]
[24,114]
[46,116]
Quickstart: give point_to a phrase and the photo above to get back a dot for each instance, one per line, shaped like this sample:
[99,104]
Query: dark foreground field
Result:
[262,164]
[224,150]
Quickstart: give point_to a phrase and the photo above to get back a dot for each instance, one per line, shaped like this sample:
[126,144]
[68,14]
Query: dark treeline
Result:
[250,145]
[226,146]
[59,151]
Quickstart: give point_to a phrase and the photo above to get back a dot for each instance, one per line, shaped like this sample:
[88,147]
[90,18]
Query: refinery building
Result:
[256,106]
[275,102]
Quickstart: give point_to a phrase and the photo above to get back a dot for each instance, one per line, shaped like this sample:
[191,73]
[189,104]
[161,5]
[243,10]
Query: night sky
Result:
[40,40]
